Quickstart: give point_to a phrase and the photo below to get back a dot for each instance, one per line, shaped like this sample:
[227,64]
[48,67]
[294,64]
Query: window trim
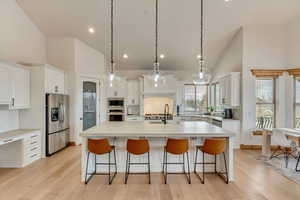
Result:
[195,97]
[273,100]
[294,99]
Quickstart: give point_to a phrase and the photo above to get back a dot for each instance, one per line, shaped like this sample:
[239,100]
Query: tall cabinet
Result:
[230,89]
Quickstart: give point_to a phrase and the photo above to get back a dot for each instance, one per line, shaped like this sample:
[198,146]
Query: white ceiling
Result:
[179,26]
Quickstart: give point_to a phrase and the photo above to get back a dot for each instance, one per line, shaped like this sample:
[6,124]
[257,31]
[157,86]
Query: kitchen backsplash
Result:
[9,120]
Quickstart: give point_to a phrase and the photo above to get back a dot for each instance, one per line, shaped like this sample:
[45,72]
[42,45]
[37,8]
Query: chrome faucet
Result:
[166,113]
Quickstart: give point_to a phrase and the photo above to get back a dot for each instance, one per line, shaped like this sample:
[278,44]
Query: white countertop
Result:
[147,129]
[16,133]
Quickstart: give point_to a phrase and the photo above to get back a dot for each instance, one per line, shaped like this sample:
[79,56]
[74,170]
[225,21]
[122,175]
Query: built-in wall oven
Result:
[57,123]
[116,111]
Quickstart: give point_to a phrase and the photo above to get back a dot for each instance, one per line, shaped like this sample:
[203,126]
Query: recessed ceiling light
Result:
[91,30]
[125,56]
[162,56]
[198,56]
[227,0]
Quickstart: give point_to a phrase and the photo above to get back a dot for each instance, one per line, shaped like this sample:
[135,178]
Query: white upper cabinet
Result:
[133,93]
[230,89]
[14,86]
[5,84]
[20,88]
[54,80]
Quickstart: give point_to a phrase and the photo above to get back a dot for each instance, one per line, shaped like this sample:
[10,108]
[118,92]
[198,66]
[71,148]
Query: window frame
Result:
[295,102]
[195,97]
[273,99]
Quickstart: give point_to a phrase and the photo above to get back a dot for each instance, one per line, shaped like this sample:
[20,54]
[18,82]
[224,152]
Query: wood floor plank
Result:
[58,178]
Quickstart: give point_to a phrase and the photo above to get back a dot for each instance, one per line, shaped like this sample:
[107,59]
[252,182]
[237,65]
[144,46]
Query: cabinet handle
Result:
[56,88]
[13,101]
[33,155]
[8,140]
[33,149]
[33,142]
[34,136]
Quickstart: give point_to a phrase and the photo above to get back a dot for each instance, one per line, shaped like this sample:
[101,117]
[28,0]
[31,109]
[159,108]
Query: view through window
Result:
[297,103]
[265,103]
[196,98]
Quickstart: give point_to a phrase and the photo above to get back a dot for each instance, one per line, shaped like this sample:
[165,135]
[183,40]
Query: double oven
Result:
[116,109]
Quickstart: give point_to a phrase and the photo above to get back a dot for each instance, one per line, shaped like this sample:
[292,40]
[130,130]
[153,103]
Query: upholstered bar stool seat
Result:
[177,147]
[137,147]
[100,147]
[212,147]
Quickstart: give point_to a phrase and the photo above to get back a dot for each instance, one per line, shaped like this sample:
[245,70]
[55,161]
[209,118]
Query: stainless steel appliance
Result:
[228,113]
[57,123]
[116,109]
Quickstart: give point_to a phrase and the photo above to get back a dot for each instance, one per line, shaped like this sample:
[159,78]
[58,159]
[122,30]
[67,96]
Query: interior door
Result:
[89,104]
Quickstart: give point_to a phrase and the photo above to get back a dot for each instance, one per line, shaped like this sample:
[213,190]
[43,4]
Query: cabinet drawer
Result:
[33,139]
[31,149]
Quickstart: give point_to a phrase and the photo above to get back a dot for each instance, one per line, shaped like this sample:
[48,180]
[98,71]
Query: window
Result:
[265,103]
[215,97]
[196,98]
[297,103]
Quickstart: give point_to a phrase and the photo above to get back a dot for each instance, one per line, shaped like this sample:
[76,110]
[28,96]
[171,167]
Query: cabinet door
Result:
[20,88]
[55,81]
[5,85]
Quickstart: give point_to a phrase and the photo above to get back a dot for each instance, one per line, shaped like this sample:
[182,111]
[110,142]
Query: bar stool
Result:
[212,147]
[137,147]
[177,147]
[100,147]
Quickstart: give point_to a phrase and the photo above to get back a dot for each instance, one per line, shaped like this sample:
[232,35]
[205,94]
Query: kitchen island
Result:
[157,133]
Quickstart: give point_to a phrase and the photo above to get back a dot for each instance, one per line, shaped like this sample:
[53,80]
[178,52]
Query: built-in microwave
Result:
[116,102]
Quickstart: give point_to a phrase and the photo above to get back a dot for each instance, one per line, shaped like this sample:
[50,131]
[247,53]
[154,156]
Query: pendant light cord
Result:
[112,35]
[202,33]
[156,30]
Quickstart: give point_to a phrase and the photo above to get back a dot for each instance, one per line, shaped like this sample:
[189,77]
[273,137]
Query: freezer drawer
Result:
[57,141]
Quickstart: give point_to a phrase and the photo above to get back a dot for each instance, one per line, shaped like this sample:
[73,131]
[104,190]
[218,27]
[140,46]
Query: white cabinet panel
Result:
[5,85]
[133,94]
[230,89]
[20,88]
[54,80]
[118,89]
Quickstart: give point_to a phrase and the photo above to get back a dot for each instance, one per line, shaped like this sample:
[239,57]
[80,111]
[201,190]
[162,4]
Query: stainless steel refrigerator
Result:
[57,123]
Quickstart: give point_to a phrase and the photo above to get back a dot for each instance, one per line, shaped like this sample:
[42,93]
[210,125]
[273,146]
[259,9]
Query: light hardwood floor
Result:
[58,178]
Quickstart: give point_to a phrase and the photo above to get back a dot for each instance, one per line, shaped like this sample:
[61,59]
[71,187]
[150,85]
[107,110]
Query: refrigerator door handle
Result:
[61,112]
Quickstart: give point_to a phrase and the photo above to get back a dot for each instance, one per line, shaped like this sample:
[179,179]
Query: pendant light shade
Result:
[202,76]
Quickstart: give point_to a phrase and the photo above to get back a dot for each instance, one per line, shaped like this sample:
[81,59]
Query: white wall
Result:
[20,41]
[264,47]
[294,43]
[231,59]
[80,61]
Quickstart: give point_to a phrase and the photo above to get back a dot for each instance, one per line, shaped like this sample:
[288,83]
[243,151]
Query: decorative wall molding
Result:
[294,72]
[267,72]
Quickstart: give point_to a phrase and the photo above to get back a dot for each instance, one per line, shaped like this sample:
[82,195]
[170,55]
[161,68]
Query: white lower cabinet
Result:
[20,148]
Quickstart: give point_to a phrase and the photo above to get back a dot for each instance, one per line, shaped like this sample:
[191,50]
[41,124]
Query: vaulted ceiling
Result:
[179,26]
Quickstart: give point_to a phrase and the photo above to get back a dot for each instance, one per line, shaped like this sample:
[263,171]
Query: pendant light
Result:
[203,76]
[156,72]
[111,75]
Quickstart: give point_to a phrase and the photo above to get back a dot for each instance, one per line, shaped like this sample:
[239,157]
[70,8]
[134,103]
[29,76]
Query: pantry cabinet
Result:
[14,86]
[230,89]
[54,80]
[133,93]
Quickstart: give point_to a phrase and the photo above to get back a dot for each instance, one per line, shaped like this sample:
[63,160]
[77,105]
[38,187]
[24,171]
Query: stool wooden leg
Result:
[149,167]
[203,168]
[166,167]
[109,168]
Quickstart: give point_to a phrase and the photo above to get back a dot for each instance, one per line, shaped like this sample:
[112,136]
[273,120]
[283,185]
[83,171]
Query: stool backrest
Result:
[177,146]
[99,146]
[138,146]
[214,146]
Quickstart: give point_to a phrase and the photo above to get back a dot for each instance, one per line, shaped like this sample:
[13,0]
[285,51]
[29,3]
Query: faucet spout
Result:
[166,113]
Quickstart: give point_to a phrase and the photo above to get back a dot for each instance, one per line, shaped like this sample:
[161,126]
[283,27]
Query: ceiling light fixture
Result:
[125,56]
[111,75]
[203,76]
[162,56]
[91,30]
